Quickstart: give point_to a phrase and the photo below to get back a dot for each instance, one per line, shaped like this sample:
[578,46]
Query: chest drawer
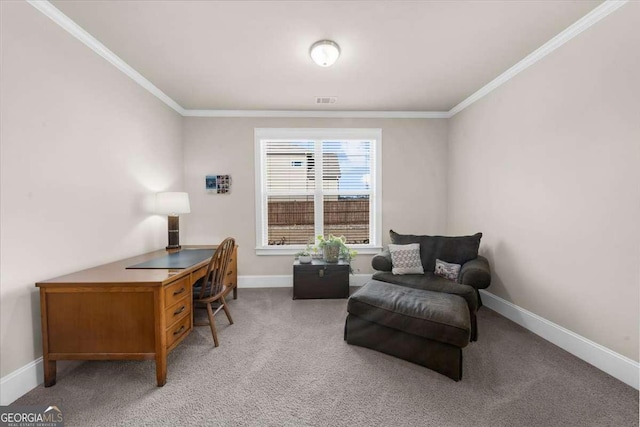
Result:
[178,310]
[176,291]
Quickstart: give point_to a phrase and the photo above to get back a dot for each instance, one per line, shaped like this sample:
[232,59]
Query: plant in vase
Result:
[304,256]
[335,248]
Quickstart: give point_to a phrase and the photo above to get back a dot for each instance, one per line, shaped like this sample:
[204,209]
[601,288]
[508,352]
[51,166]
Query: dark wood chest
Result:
[320,280]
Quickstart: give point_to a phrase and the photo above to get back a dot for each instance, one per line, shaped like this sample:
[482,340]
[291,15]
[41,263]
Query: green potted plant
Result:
[334,248]
[304,256]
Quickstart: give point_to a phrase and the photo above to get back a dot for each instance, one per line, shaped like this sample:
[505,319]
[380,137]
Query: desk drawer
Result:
[177,311]
[198,274]
[230,278]
[176,291]
[177,330]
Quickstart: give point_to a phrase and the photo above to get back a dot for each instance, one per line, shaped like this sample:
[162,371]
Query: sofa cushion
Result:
[457,250]
[405,259]
[430,282]
[433,315]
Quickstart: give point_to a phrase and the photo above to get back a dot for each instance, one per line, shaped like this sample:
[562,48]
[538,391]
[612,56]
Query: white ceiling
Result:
[253,55]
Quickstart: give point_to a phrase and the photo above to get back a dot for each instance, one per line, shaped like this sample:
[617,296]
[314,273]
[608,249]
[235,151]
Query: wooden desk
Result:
[111,313]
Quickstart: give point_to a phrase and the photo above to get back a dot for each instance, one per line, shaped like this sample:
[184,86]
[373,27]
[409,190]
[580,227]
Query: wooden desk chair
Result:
[209,291]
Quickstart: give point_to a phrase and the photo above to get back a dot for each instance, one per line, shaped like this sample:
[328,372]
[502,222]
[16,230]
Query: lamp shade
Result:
[325,52]
[172,203]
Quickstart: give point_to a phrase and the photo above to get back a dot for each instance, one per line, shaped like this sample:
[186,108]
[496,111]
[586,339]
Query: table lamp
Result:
[173,204]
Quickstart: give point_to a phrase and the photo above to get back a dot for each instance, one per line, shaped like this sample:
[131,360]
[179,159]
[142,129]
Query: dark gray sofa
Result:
[474,274]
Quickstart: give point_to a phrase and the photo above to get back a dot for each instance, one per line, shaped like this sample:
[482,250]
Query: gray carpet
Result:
[284,363]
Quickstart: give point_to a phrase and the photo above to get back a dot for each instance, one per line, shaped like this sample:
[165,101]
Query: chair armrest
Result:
[476,273]
[382,261]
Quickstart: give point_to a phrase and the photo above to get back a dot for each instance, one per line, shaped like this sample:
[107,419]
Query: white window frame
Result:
[317,134]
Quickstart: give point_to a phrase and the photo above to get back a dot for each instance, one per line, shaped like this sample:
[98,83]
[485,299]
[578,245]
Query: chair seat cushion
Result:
[434,315]
[197,288]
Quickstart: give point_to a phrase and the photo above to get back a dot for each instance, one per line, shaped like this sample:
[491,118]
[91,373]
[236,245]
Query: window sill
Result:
[276,251]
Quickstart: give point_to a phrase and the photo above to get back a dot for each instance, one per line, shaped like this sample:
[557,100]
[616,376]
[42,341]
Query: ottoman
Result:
[423,327]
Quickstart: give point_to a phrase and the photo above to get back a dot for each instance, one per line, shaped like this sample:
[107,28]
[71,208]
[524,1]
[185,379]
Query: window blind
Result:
[316,186]
[290,186]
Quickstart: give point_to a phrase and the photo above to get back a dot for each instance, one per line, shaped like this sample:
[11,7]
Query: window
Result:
[312,182]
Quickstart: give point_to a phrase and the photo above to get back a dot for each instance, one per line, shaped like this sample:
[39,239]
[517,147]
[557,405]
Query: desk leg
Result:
[49,365]
[161,342]
[235,292]
[161,368]
[49,372]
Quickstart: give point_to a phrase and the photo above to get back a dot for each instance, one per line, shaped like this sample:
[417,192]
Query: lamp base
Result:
[174,233]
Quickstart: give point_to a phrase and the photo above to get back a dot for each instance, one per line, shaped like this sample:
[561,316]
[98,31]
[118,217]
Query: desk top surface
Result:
[117,274]
[177,260]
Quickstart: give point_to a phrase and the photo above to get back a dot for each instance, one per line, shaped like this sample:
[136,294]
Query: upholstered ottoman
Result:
[423,327]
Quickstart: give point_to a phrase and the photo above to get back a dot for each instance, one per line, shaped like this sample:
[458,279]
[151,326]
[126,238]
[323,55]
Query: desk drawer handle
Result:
[229,273]
[179,292]
[179,331]
[180,310]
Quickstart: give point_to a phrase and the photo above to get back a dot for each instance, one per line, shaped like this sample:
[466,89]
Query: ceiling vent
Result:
[326,99]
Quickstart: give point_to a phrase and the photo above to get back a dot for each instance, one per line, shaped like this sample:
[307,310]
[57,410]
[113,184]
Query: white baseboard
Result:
[286,281]
[614,364]
[21,381]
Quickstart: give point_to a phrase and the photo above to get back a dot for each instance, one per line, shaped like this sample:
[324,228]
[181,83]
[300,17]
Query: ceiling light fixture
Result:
[325,52]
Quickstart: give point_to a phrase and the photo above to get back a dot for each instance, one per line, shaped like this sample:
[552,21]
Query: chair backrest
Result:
[213,281]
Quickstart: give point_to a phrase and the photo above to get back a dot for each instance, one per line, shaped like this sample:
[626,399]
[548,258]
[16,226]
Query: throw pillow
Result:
[447,270]
[405,259]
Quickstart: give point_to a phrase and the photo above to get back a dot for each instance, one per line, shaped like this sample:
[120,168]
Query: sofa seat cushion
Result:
[431,282]
[433,315]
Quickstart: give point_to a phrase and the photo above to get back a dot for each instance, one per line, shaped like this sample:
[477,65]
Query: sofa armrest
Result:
[476,273]
[382,261]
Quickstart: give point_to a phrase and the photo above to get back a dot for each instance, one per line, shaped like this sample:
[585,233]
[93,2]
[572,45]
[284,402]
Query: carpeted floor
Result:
[284,363]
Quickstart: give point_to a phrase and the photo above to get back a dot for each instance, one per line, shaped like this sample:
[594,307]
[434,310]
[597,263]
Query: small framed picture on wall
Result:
[218,184]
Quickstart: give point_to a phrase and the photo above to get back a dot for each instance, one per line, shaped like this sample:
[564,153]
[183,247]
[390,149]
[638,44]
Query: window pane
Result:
[290,220]
[289,167]
[347,216]
[346,165]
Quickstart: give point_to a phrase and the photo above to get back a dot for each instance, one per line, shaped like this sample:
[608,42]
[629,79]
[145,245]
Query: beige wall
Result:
[413,175]
[548,167]
[82,146]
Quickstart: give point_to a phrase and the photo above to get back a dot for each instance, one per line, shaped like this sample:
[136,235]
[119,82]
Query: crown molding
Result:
[598,13]
[78,32]
[319,114]
[573,30]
